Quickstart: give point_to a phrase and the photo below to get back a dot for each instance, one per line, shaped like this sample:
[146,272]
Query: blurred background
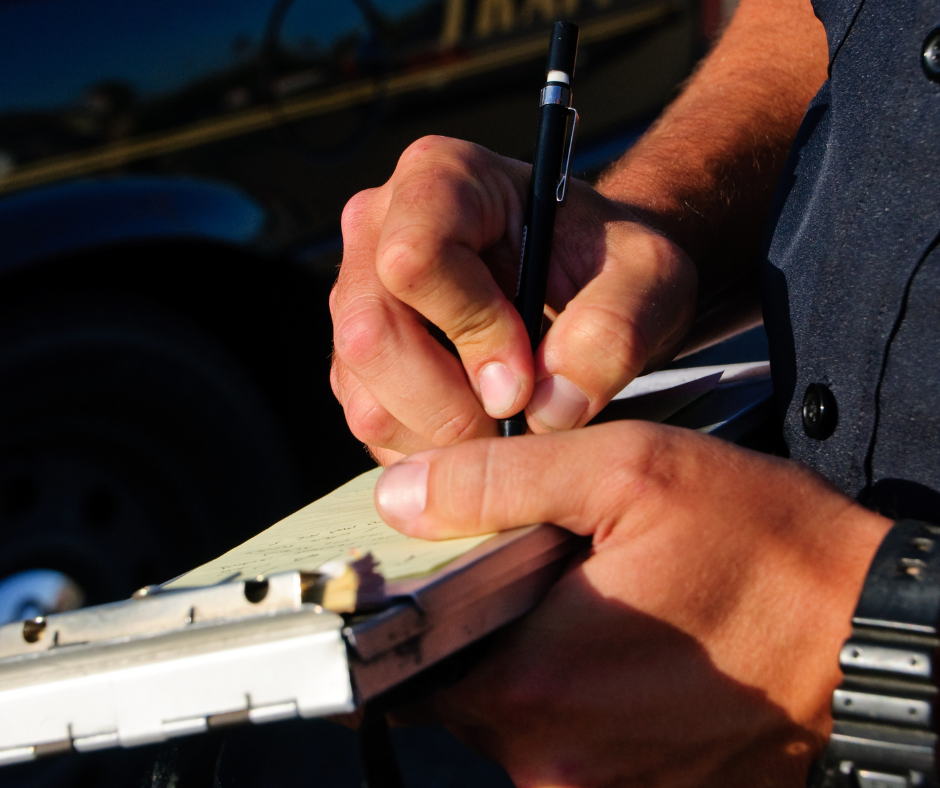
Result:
[171,181]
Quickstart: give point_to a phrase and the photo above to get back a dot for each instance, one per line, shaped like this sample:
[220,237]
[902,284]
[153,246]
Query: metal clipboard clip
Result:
[290,644]
[566,154]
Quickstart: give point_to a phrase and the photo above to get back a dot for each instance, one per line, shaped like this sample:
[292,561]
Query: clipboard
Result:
[196,654]
[179,662]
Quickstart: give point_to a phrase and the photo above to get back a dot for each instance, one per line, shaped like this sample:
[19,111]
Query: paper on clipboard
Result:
[328,530]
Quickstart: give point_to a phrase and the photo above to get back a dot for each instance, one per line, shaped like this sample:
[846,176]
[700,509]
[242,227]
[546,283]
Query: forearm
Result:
[705,173]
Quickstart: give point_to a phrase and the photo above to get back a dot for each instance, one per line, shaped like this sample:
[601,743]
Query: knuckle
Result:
[636,464]
[653,245]
[369,422]
[361,337]
[456,428]
[497,474]
[355,211]
[473,327]
[616,340]
[428,149]
[334,379]
[469,500]
[647,244]
[332,301]
[416,153]
[404,264]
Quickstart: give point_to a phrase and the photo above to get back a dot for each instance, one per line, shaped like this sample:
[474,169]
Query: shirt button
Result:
[820,414]
[931,55]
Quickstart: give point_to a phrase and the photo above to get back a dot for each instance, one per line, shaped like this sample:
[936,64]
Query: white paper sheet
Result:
[326,530]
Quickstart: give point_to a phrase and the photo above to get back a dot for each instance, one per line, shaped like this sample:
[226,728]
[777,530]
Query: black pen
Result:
[546,189]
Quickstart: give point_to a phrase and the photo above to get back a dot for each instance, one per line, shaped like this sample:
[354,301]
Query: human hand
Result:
[439,244]
[697,642]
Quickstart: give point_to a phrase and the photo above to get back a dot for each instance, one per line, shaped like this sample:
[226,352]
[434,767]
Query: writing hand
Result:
[439,245]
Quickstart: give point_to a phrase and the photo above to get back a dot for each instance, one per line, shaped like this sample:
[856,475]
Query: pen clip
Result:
[566,155]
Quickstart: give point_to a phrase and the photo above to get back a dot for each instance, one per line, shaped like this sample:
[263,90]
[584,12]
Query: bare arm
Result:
[705,174]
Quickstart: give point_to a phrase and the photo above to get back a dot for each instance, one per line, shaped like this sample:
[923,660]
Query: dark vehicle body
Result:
[171,180]
[172,175]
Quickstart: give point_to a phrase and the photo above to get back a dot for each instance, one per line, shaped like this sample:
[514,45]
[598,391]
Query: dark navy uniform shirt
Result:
[852,270]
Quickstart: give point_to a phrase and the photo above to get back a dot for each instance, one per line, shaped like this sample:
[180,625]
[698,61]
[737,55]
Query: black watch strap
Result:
[884,723]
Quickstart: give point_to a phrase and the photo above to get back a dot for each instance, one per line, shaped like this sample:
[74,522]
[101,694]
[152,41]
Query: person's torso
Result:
[852,278]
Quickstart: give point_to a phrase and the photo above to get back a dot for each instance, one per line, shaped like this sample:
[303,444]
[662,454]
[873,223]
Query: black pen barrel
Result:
[563,48]
[540,219]
[544,186]
[538,232]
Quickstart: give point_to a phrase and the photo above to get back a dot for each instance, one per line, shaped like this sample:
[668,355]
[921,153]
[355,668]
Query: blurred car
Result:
[171,180]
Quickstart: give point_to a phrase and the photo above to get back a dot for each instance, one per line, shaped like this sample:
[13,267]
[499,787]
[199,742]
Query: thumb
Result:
[495,484]
[634,313]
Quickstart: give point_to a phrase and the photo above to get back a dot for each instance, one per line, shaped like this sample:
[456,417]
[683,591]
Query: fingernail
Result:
[402,490]
[557,404]
[498,388]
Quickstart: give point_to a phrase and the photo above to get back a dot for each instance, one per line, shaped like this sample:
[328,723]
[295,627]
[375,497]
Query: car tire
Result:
[132,446]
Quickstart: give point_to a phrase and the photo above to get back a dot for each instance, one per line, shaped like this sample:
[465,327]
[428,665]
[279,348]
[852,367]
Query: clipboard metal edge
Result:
[142,691]
[485,592]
